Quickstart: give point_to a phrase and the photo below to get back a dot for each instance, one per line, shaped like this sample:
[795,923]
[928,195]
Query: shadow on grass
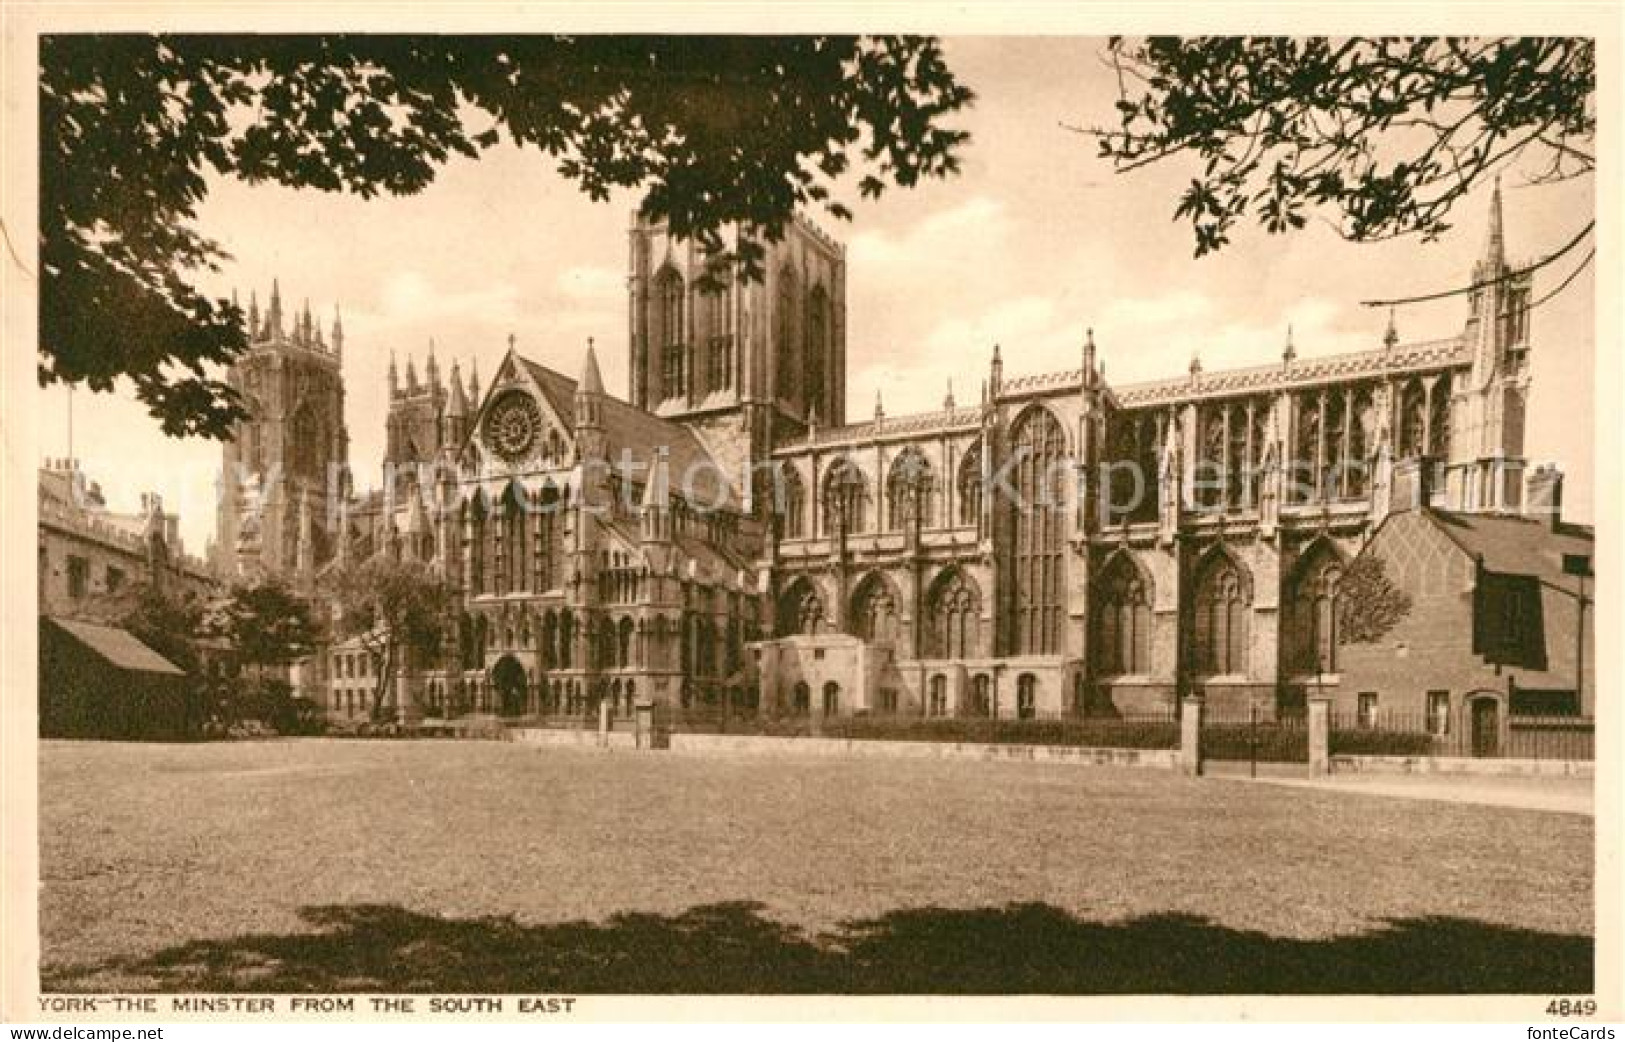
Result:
[732,948]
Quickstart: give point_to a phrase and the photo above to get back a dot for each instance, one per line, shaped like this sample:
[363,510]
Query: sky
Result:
[1033,242]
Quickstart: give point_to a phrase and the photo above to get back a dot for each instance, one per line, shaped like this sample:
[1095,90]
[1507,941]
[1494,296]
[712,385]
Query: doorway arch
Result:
[508,683]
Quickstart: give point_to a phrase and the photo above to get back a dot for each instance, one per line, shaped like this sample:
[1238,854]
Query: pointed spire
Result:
[812,418]
[474,382]
[1495,241]
[591,381]
[273,314]
[411,374]
[1290,352]
[656,505]
[1390,336]
[948,400]
[880,410]
[307,326]
[394,378]
[338,332]
[253,313]
[1196,363]
[1089,373]
[431,368]
[996,376]
[457,405]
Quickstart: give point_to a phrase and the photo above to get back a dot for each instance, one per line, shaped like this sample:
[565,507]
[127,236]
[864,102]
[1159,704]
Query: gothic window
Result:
[793,503]
[874,611]
[801,610]
[1331,481]
[623,656]
[1412,420]
[1439,420]
[910,491]
[670,334]
[547,546]
[1122,620]
[475,512]
[515,518]
[784,334]
[956,617]
[970,487]
[1219,637]
[1312,608]
[550,639]
[846,497]
[1035,517]
[817,360]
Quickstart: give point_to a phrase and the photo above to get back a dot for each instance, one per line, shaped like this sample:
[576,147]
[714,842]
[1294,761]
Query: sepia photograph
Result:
[530,519]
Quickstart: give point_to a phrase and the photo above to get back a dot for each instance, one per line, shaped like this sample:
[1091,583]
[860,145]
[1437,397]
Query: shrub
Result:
[1377,742]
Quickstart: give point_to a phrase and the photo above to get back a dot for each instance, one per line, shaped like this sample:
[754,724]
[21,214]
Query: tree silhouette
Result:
[1388,134]
[719,132]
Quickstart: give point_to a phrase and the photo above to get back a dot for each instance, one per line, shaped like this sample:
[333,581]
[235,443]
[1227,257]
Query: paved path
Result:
[1561,795]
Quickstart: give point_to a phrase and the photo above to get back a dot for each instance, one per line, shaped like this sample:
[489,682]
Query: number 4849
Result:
[1572,1008]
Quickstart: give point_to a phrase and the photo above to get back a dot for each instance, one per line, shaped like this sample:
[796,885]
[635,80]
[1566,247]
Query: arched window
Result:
[623,657]
[846,497]
[1439,420]
[670,334]
[969,487]
[550,638]
[801,610]
[786,377]
[1221,605]
[1026,696]
[793,503]
[981,695]
[801,698]
[545,563]
[910,495]
[1036,516]
[1312,607]
[515,517]
[474,513]
[817,355]
[875,611]
[832,698]
[938,704]
[1413,423]
[1122,620]
[956,617]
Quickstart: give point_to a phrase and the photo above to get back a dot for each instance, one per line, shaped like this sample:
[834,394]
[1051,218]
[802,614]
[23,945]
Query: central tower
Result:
[745,364]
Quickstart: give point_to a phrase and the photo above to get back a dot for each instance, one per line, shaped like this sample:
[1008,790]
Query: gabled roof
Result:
[642,433]
[119,648]
[1518,545]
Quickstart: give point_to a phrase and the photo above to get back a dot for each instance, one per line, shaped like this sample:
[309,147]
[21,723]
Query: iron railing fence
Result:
[1257,734]
[1394,733]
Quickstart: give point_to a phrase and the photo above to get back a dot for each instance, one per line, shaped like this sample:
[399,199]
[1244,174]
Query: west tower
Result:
[283,469]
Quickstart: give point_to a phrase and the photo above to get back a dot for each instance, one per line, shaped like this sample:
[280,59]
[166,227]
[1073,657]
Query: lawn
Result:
[449,866]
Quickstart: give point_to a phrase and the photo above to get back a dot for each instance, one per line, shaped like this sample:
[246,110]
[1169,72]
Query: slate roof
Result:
[118,647]
[1518,545]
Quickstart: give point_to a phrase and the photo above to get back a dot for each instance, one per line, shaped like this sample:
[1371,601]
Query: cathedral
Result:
[724,536]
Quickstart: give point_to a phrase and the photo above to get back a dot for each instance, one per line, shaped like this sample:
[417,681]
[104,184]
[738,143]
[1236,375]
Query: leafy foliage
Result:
[265,624]
[164,621]
[1388,133]
[392,608]
[720,132]
[1370,605]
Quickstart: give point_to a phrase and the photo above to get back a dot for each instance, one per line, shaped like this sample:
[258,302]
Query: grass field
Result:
[449,866]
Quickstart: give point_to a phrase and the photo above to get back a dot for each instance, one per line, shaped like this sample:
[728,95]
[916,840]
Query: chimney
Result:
[1413,483]
[1543,494]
